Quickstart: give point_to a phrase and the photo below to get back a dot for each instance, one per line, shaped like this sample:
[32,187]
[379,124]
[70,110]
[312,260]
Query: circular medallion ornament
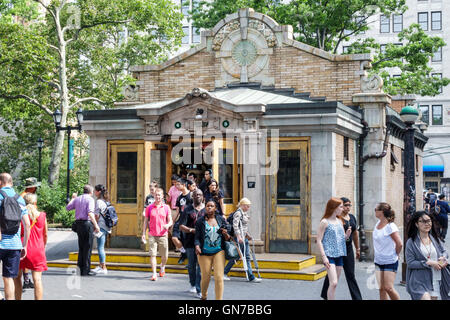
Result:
[177,125]
[244,53]
[225,123]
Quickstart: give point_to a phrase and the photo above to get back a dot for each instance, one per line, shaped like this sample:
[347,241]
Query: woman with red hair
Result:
[331,239]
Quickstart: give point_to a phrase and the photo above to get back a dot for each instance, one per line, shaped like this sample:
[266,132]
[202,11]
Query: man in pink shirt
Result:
[158,220]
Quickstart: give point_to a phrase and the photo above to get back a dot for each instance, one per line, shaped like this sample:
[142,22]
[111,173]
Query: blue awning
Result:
[436,168]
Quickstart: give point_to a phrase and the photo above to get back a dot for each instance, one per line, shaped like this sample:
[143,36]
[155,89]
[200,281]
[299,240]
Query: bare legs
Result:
[333,276]
[386,284]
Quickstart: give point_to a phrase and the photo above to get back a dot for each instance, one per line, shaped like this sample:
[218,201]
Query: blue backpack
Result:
[110,216]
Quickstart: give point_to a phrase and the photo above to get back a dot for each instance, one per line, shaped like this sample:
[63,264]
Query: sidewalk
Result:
[63,284]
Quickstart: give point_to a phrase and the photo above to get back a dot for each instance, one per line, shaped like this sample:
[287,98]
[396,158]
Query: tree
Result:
[325,24]
[79,54]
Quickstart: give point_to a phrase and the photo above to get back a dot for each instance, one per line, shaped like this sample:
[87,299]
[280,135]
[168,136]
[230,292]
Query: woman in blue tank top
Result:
[331,241]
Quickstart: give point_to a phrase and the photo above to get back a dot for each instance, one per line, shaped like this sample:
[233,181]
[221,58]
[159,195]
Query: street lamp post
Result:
[409,115]
[57,119]
[40,144]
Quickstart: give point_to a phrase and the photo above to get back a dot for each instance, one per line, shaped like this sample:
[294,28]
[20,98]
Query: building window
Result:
[437,56]
[397,22]
[346,153]
[422,20]
[438,75]
[185,7]
[385,22]
[436,20]
[360,22]
[437,115]
[185,39]
[425,109]
[195,35]
[382,48]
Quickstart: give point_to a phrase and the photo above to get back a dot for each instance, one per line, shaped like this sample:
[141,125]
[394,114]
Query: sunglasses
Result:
[347,205]
[428,221]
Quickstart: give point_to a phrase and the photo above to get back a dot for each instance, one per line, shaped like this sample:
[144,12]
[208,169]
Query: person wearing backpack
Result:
[101,206]
[240,222]
[12,248]
[442,217]
[431,200]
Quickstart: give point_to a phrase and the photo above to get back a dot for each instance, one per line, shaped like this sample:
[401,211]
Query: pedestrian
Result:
[192,186]
[442,217]
[206,180]
[12,248]
[241,219]
[331,239]
[183,200]
[158,220]
[387,245]
[349,259]
[214,193]
[101,194]
[211,232]
[431,199]
[427,272]
[192,177]
[86,225]
[31,185]
[35,260]
[189,218]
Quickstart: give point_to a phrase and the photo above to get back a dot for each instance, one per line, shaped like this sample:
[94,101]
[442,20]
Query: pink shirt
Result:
[173,193]
[157,217]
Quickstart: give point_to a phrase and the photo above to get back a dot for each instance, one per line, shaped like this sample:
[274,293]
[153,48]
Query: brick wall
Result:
[345,173]
[289,66]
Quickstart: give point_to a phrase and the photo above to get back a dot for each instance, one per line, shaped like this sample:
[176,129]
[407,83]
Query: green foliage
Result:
[326,24]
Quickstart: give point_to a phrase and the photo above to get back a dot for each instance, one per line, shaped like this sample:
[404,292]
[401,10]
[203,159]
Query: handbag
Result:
[74,226]
[231,251]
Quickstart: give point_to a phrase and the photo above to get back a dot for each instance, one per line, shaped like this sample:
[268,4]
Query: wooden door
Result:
[126,185]
[289,221]
[225,171]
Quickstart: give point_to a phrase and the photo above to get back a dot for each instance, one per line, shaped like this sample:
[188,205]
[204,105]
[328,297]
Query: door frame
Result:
[270,201]
[140,187]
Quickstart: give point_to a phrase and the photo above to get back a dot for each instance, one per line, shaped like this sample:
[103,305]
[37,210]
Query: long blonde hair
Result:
[31,201]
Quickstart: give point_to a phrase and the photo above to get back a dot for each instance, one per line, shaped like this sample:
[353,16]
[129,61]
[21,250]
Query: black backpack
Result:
[10,214]
[230,221]
[110,215]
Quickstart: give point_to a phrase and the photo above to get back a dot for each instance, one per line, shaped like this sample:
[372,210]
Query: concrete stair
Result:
[271,266]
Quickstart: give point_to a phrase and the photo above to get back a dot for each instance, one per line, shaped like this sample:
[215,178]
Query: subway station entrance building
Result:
[278,122]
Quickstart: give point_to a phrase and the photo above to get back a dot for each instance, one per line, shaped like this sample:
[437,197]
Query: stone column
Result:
[373,101]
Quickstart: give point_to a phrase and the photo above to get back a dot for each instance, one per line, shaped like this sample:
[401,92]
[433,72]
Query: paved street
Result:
[62,284]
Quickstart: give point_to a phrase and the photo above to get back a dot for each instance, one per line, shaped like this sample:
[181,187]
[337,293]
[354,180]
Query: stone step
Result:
[310,273]
[265,261]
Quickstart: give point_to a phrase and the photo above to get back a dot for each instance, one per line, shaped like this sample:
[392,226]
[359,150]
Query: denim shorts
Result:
[338,261]
[387,267]
[10,260]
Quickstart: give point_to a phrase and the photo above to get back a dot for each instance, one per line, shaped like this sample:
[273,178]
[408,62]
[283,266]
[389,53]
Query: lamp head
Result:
[57,115]
[40,143]
[79,114]
[409,115]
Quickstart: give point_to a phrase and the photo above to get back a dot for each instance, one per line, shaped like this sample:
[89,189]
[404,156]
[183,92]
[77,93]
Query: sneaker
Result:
[102,271]
[193,290]
[255,280]
[198,295]
[97,269]
[226,278]
[162,273]
[182,258]
[28,285]
[154,278]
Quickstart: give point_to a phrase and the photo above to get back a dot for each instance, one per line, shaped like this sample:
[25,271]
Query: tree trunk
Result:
[55,163]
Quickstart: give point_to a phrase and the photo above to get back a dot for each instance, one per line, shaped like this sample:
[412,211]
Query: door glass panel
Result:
[158,167]
[226,174]
[127,177]
[288,177]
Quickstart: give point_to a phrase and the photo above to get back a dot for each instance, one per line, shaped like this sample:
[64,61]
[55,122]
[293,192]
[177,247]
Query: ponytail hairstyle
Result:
[388,212]
[332,204]
[103,192]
